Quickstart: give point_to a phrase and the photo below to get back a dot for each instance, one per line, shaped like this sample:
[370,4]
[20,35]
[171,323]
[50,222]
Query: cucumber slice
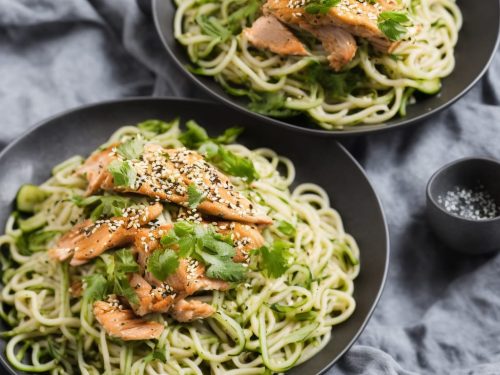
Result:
[28,197]
[33,223]
[429,86]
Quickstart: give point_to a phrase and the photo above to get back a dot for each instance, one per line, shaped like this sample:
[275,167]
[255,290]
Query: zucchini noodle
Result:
[264,325]
[384,83]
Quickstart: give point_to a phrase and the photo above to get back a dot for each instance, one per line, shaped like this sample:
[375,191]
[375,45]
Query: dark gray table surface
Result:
[440,311]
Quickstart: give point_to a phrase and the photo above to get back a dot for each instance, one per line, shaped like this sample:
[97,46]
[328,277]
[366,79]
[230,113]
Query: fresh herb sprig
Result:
[320,6]
[394,24]
[203,244]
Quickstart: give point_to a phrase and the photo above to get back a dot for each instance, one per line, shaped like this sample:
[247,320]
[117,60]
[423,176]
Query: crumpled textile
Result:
[440,310]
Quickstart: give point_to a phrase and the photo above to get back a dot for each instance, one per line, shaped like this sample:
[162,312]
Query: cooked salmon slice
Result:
[340,45]
[355,17]
[124,324]
[269,33]
[165,174]
[88,240]
[95,169]
[246,238]
[190,278]
[151,299]
[189,310]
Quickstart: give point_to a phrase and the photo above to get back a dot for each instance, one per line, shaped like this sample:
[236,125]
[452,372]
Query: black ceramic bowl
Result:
[458,233]
[476,46]
[31,158]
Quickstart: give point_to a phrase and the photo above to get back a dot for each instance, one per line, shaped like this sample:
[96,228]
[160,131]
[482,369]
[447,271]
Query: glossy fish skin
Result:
[88,240]
[124,324]
[269,33]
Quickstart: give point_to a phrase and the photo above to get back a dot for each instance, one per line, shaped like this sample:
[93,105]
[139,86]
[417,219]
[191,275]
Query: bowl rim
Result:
[4,364]
[444,168]
[351,131]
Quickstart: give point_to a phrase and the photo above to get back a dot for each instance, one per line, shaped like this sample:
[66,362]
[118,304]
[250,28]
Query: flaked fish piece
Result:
[353,16]
[340,45]
[151,300]
[189,310]
[245,237]
[88,240]
[165,174]
[124,324]
[269,33]
[190,278]
[95,169]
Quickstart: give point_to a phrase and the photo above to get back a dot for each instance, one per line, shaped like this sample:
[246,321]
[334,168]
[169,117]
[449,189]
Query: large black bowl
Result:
[322,161]
[477,43]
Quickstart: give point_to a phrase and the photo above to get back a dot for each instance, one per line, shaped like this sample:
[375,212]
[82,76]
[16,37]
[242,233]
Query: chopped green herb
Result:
[103,205]
[275,259]
[131,149]
[234,165]
[214,250]
[157,126]
[223,267]
[96,287]
[272,104]
[163,263]
[123,173]
[237,18]
[194,136]
[320,6]
[195,196]
[393,24]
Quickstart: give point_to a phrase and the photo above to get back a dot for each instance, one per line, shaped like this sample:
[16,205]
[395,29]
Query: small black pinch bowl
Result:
[461,234]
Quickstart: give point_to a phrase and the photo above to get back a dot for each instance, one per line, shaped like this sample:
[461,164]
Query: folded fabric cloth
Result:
[439,313]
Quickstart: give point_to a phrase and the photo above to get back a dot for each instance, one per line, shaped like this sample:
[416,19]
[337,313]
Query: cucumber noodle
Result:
[385,83]
[263,324]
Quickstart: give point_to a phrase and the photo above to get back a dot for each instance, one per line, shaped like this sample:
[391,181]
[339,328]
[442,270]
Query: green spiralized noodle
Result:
[426,57]
[57,333]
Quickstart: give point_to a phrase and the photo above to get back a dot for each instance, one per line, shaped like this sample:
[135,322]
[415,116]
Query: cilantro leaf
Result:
[123,173]
[223,268]
[195,197]
[169,239]
[217,246]
[163,263]
[321,6]
[131,149]
[186,246]
[122,287]
[275,259]
[182,228]
[234,165]
[125,262]
[96,287]
[393,24]
[157,126]
[271,104]
[103,205]
[286,228]
[229,136]
[336,85]
[194,136]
